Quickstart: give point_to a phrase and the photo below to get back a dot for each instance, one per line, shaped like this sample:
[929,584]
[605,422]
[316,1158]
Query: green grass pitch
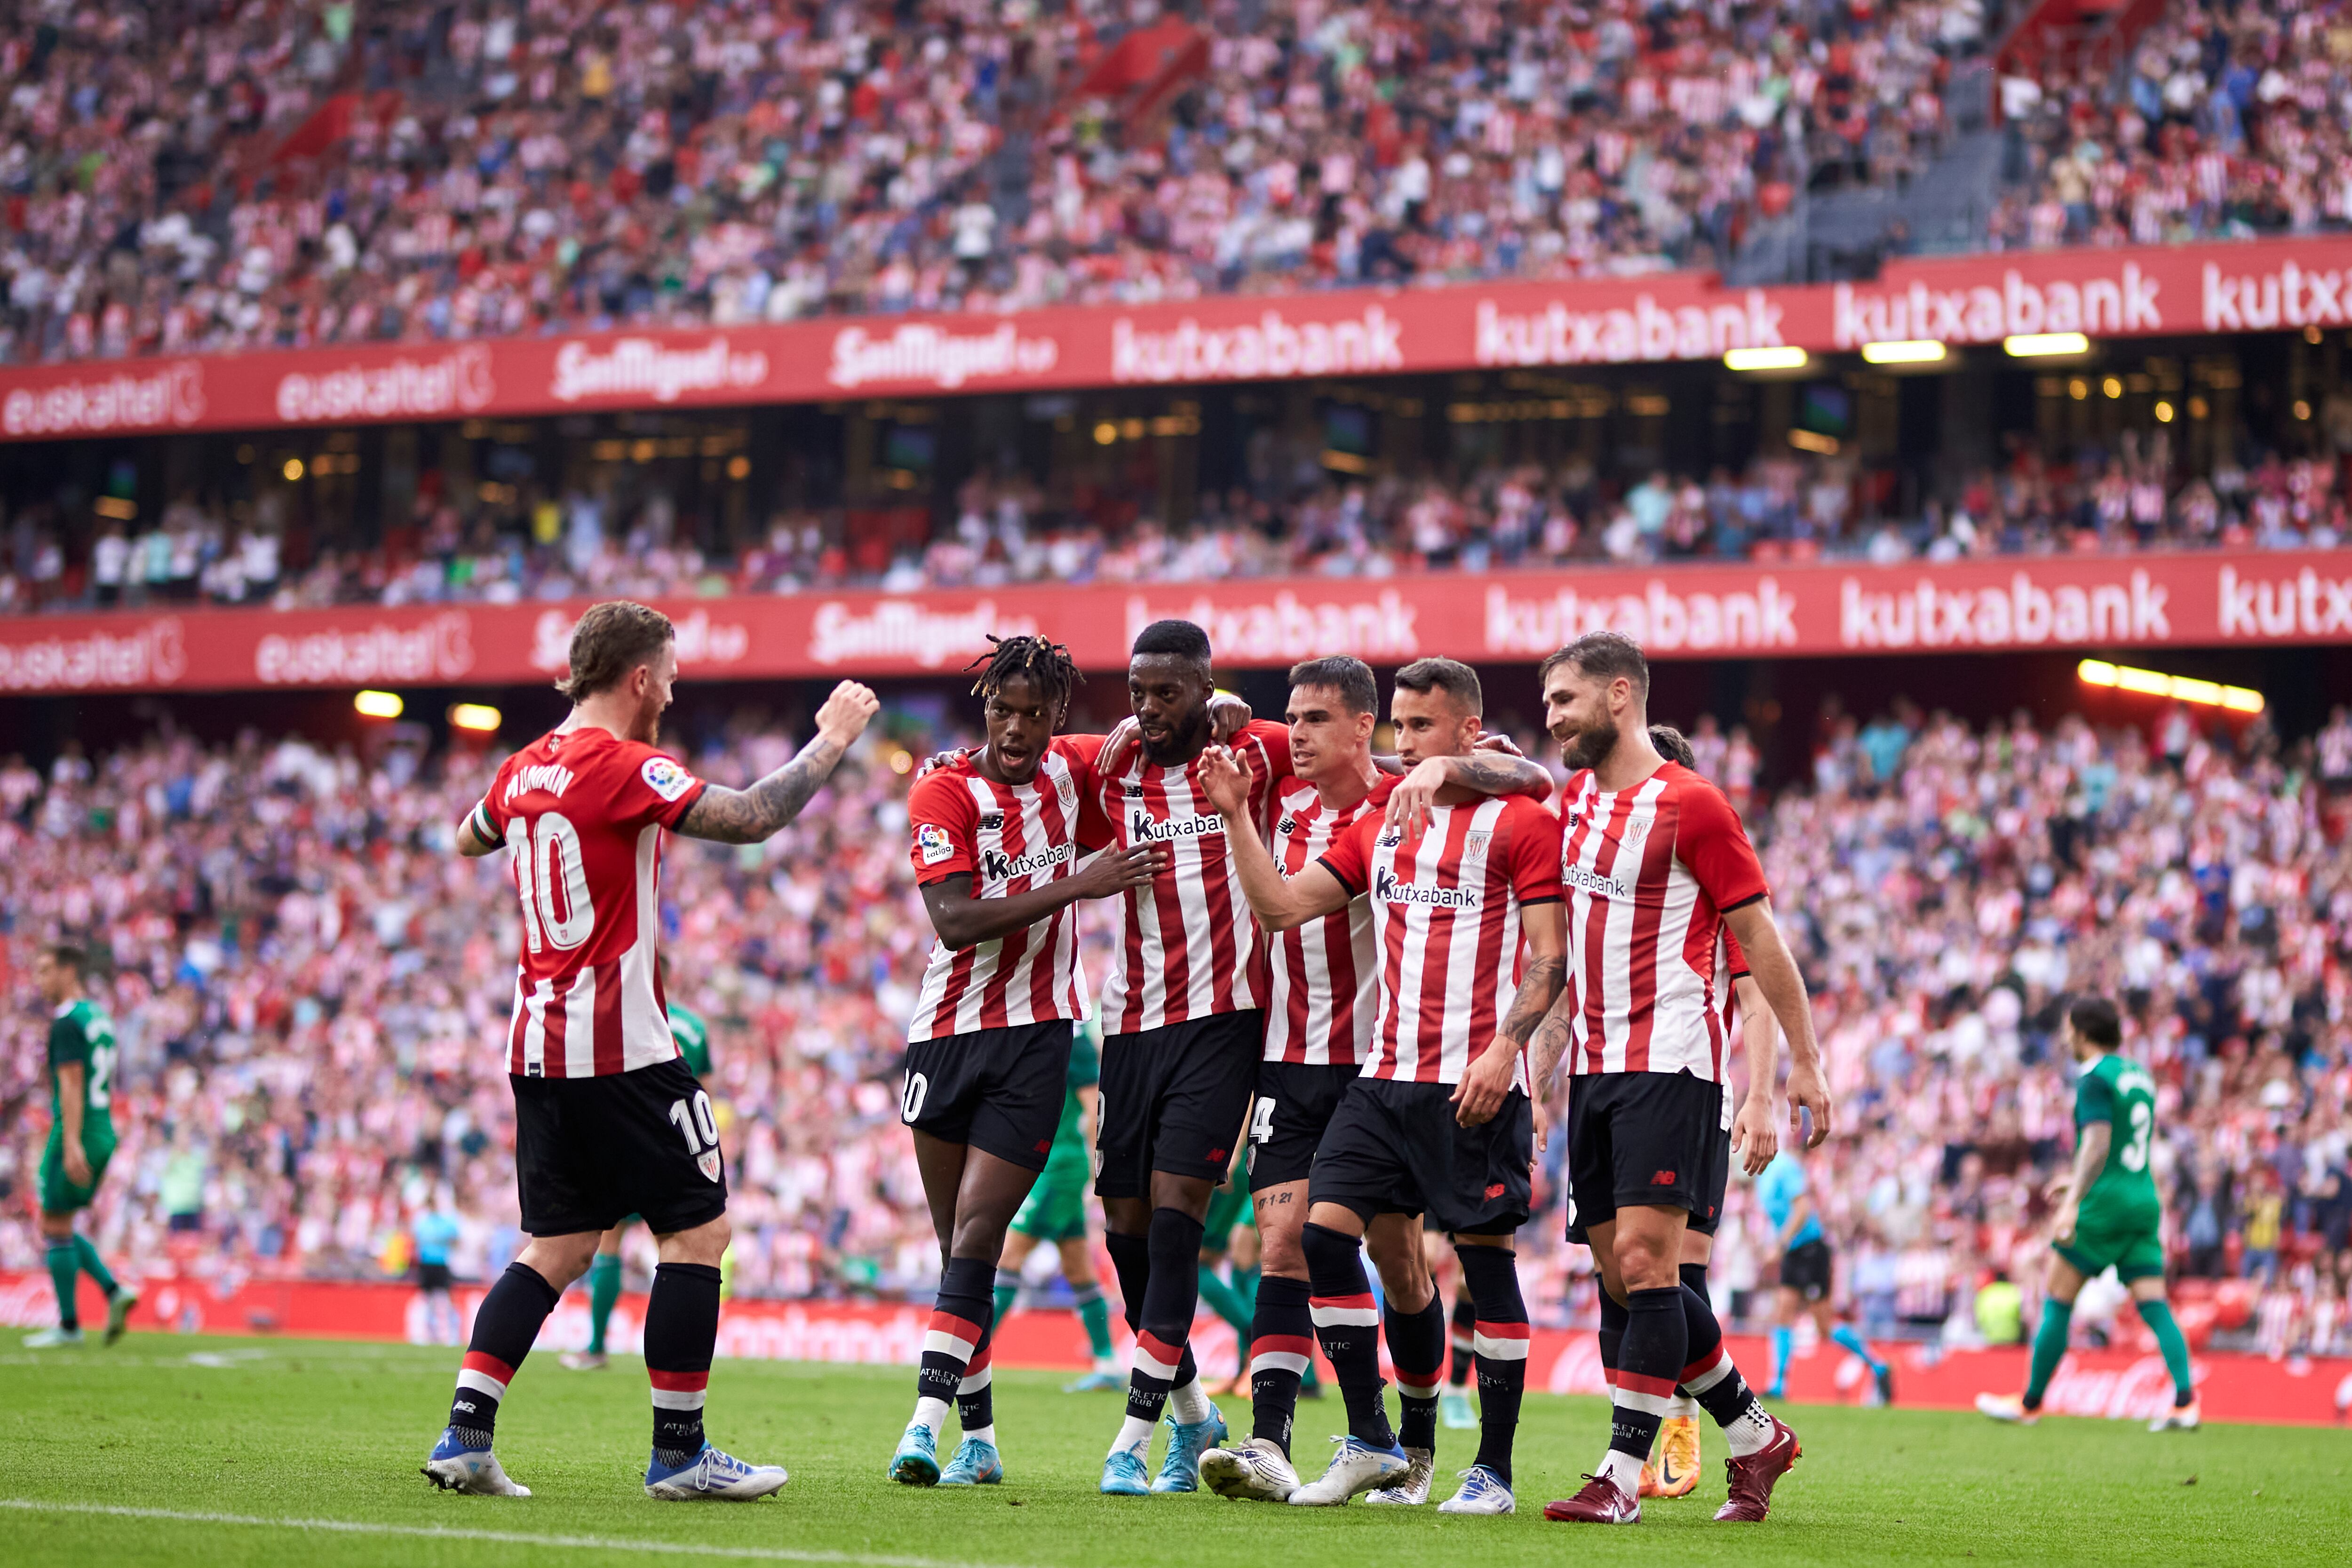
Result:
[248,1431]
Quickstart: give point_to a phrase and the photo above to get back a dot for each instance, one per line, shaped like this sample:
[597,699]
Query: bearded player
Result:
[608,1121]
[997,841]
[1324,996]
[1439,1119]
[1655,863]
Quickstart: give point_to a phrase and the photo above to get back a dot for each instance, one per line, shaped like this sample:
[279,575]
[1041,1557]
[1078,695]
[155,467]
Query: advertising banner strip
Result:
[2230,287]
[2127,604]
[2119,1384]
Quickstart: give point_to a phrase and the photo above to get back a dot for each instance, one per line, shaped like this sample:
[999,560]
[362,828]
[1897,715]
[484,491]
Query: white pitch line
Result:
[500,1537]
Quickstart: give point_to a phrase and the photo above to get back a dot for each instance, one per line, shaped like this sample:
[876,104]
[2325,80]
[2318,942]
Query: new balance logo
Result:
[1286,826]
[1662,1179]
[991,822]
[1135,792]
[1216,1157]
[465,1405]
[1494,1192]
[1044,1146]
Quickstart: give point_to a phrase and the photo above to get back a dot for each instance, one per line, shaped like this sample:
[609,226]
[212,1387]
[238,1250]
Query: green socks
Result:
[2157,1316]
[64,1268]
[2049,1348]
[1095,1313]
[1227,1304]
[1245,1284]
[604,1291]
[92,1264]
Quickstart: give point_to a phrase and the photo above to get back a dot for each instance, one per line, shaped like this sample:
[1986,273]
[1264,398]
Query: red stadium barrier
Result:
[2219,287]
[2208,599]
[2118,1384]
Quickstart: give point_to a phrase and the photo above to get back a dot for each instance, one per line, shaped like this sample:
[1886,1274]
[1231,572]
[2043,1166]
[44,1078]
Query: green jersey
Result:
[1069,1149]
[81,1034]
[693,1036]
[2120,1093]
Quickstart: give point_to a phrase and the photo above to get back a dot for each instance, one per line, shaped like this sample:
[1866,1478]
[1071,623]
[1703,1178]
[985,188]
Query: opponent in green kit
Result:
[1235,1301]
[2108,1216]
[81,1141]
[693,1036]
[1056,1211]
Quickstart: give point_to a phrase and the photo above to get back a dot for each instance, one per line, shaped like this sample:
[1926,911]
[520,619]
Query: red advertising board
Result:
[2123,1383]
[2253,286]
[2126,603]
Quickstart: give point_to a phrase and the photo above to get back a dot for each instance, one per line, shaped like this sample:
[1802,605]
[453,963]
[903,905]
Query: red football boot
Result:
[1602,1501]
[1751,1479]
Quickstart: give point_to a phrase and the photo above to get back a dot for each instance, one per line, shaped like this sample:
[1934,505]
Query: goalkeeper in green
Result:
[2108,1216]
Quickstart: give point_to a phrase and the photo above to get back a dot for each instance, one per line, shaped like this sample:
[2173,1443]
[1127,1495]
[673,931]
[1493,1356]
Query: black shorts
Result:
[996,1089]
[1173,1100]
[1717,1179]
[590,1150]
[1395,1148]
[1805,1268]
[433,1277]
[1643,1138]
[1294,1102]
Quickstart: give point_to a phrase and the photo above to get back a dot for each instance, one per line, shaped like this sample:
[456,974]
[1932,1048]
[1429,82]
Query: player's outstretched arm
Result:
[1776,975]
[1487,1081]
[964,922]
[1754,1133]
[748,815]
[1278,904]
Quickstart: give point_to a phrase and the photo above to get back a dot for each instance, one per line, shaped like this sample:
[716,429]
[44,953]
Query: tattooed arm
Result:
[1482,771]
[1488,1079]
[748,815]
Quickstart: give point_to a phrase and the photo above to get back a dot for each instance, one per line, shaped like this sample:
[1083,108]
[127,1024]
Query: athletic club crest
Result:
[708,1164]
[1475,843]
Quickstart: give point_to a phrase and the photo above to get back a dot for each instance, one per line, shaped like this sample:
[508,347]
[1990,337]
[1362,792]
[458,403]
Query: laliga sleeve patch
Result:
[934,841]
[665,778]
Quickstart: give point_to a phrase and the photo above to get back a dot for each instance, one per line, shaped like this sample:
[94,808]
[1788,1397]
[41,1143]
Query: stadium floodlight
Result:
[1906,351]
[378,704]
[2179,688]
[478,717]
[2037,345]
[1783,358]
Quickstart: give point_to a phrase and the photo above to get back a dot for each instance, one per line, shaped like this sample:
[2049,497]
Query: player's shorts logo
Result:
[708,1164]
[1496,1191]
[1662,1179]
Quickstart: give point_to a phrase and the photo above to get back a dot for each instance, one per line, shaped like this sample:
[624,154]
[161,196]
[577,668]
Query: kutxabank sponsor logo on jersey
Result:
[1389,889]
[1585,879]
[440,648]
[144,654]
[996,866]
[1142,827]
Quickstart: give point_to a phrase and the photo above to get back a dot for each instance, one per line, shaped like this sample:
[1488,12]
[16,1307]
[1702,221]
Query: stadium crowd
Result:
[203,176]
[1007,529]
[311,994]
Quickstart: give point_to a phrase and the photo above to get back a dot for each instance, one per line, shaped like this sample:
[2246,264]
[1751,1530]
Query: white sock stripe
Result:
[938,1341]
[1502,1350]
[977,1381]
[1152,1366]
[679,1399]
[480,1382]
[1647,1404]
[1279,1361]
[1345,1317]
[1420,1390]
[1711,1376]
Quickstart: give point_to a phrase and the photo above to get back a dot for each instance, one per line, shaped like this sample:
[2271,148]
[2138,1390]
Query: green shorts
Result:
[59,1195]
[2130,1239]
[1228,1206]
[1056,1209]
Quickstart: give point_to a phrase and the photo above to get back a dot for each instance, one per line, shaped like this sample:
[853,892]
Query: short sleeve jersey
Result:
[1447,924]
[2118,1091]
[581,812]
[1323,978]
[1648,872]
[1187,945]
[693,1036]
[81,1034]
[1008,839]
[1778,1190]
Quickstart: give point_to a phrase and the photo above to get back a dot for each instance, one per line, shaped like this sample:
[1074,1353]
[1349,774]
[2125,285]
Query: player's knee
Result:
[1325,1250]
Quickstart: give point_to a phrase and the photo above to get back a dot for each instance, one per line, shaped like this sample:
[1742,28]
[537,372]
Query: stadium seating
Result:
[306,988]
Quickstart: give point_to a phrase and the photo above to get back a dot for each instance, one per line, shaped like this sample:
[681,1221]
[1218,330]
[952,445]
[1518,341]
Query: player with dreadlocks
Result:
[996,851]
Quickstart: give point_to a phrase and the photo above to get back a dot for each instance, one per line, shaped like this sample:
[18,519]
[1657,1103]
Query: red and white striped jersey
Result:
[582,812]
[1446,920]
[1008,839]
[1323,978]
[1188,946]
[1648,873]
